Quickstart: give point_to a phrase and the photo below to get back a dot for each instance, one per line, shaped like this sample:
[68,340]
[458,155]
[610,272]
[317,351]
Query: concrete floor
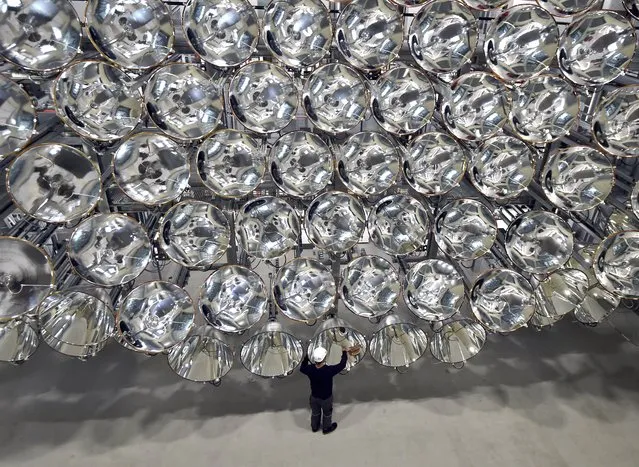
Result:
[564,397]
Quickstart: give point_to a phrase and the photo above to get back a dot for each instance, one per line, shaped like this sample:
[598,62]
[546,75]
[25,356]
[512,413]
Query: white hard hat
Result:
[319,354]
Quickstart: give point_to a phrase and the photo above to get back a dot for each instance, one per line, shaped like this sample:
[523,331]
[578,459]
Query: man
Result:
[321,377]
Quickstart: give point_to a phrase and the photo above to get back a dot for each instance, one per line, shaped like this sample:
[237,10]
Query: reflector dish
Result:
[521,42]
[155,317]
[615,125]
[434,163]
[433,290]
[577,178]
[233,298]
[502,300]
[297,32]
[54,183]
[596,48]
[202,357]
[231,163]
[616,264]
[335,98]
[97,100]
[267,227]
[336,335]
[597,305]
[18,340]
[544,109]
[568,7]
[26,277]
[403,100]
[76,323]
[559,294]
[369,33]
[457,341]
[398,224]
[223,33]
[272,352]
[39,35]
[304,289]
[368,163]
[184,101]
[485,4]
[194,234]
[151,168]
[17,118]
[465,229]
[443,36]
[301,164]
[397,343]
[502,167]
[539,242]
[335,221]
[476,106]
[370,286]
[136,34]
[109,249]
[263,97]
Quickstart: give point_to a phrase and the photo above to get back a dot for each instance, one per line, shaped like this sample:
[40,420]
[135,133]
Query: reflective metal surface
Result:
[577,178]
[560,293]
[26,277]
[231,163]
[476,106]
[54,183]
[335,221]
[267,227]
[222,32]
[434,163]
[151,168]
[155,316]
[263,97]
[76,323]
[233,298]
[301,164]
[443,36]
[596,48]
[202,357]
[539,242]
[370,286]
[502,167]
[457,341]
[544,109]
[597,305]
[335,98]
[397,343]
[17,118]
[502,300]
[568,7]
[368,163]
[184,101]
[616,264]
[97,100]
[433,290]
[336,335]
[485,4]
[403,100]
[304,289]
[136,34]
[18,340]
[369,33]
[615,125]
[39,35]
[465,229]
[272,352]
[194,234]
[521,42]
[398,224]
[297,32]
[109,249]
[634,200]
[632,7]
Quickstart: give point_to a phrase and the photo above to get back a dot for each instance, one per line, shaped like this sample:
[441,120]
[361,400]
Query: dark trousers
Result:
[321,408]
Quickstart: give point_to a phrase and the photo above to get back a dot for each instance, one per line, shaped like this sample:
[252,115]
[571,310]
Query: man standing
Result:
[321,377]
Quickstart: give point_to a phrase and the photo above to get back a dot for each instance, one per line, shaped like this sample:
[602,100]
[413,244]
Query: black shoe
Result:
[315,430]
[331,429]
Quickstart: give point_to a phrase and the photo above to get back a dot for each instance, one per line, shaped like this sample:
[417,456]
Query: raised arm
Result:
[305,365]
[342,363]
